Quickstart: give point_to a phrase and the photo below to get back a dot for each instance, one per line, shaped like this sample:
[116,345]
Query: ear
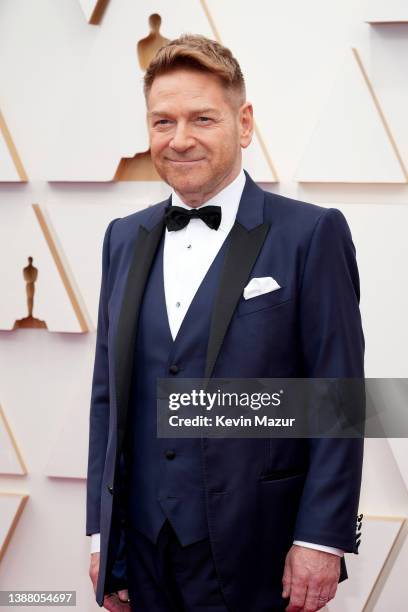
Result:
[246,121]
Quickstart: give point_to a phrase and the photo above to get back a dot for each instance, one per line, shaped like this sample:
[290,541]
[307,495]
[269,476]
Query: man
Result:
[207,524]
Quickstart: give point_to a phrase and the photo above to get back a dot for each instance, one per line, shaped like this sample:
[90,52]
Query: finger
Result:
[297,597]
[322,599]
[312,600]
[333,590]
[324,596]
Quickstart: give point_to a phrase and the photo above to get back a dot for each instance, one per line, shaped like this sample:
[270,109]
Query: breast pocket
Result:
[271,299]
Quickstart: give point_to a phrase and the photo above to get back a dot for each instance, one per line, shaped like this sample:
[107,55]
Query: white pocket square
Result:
[258,286]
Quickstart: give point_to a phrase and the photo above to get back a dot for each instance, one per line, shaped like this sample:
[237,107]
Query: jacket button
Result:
[173,369]
[170,454]
[110,489]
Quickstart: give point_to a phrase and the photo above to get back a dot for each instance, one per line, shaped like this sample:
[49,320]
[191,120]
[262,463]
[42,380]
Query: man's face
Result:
[196,130]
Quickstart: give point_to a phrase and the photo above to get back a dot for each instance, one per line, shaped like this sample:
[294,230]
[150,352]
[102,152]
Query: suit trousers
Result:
[168,577]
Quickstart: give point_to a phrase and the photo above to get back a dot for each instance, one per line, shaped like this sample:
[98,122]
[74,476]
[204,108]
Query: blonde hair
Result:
[197,53]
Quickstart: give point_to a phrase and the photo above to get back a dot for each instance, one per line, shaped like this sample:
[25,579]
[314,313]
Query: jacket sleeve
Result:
[99,408]
[332,346]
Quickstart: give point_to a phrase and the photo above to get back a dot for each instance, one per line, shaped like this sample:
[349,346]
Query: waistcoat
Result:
[165,476]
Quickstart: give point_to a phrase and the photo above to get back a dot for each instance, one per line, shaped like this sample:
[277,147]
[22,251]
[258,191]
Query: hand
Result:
[117,602]
[310,578]
[114,602]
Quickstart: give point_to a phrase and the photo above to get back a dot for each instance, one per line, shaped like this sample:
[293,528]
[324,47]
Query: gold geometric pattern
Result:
[62,267]
[380,535]
[94,10]
[11,168]
[34,239]
[257,132]
[11,459]
[138,166]
[381,113]
[11,507]
[353,142]
[387,563]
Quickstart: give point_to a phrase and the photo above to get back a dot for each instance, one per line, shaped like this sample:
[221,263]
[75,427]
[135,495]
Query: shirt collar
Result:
[228,198]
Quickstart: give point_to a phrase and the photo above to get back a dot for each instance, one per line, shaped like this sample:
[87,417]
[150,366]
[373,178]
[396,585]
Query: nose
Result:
[182,140]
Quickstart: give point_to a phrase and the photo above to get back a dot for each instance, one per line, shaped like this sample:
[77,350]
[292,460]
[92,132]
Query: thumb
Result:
[123,595]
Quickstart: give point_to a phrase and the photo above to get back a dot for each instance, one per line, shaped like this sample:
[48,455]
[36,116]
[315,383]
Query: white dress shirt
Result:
[188,254]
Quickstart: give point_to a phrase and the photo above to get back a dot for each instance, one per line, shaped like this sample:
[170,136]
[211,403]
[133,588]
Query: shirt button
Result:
[189,246]
[178,304]
[170,454]
[173,369]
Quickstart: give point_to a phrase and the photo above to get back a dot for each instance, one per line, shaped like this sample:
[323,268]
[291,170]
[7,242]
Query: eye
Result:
[162,122]
[203,119]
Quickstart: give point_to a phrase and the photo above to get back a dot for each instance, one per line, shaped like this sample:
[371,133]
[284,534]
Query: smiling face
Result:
[196,128]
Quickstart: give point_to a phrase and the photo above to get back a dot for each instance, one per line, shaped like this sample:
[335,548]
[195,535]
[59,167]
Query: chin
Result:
[184,184]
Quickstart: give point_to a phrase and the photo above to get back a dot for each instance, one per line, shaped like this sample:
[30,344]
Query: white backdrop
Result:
[70,94]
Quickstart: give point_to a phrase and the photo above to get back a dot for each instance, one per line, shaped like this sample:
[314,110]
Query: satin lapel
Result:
[143,255]
[242,252]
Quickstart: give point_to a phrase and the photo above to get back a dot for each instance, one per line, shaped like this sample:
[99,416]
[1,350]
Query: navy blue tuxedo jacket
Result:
[260,494]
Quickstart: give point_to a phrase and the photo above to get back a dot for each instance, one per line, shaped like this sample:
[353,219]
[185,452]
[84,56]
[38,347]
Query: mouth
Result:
[184,161]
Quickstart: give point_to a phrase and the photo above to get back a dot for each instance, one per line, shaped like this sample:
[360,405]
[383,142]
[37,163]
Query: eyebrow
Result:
[199,111]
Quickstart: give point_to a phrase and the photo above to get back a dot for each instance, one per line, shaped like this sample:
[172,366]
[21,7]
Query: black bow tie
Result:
[177,217]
